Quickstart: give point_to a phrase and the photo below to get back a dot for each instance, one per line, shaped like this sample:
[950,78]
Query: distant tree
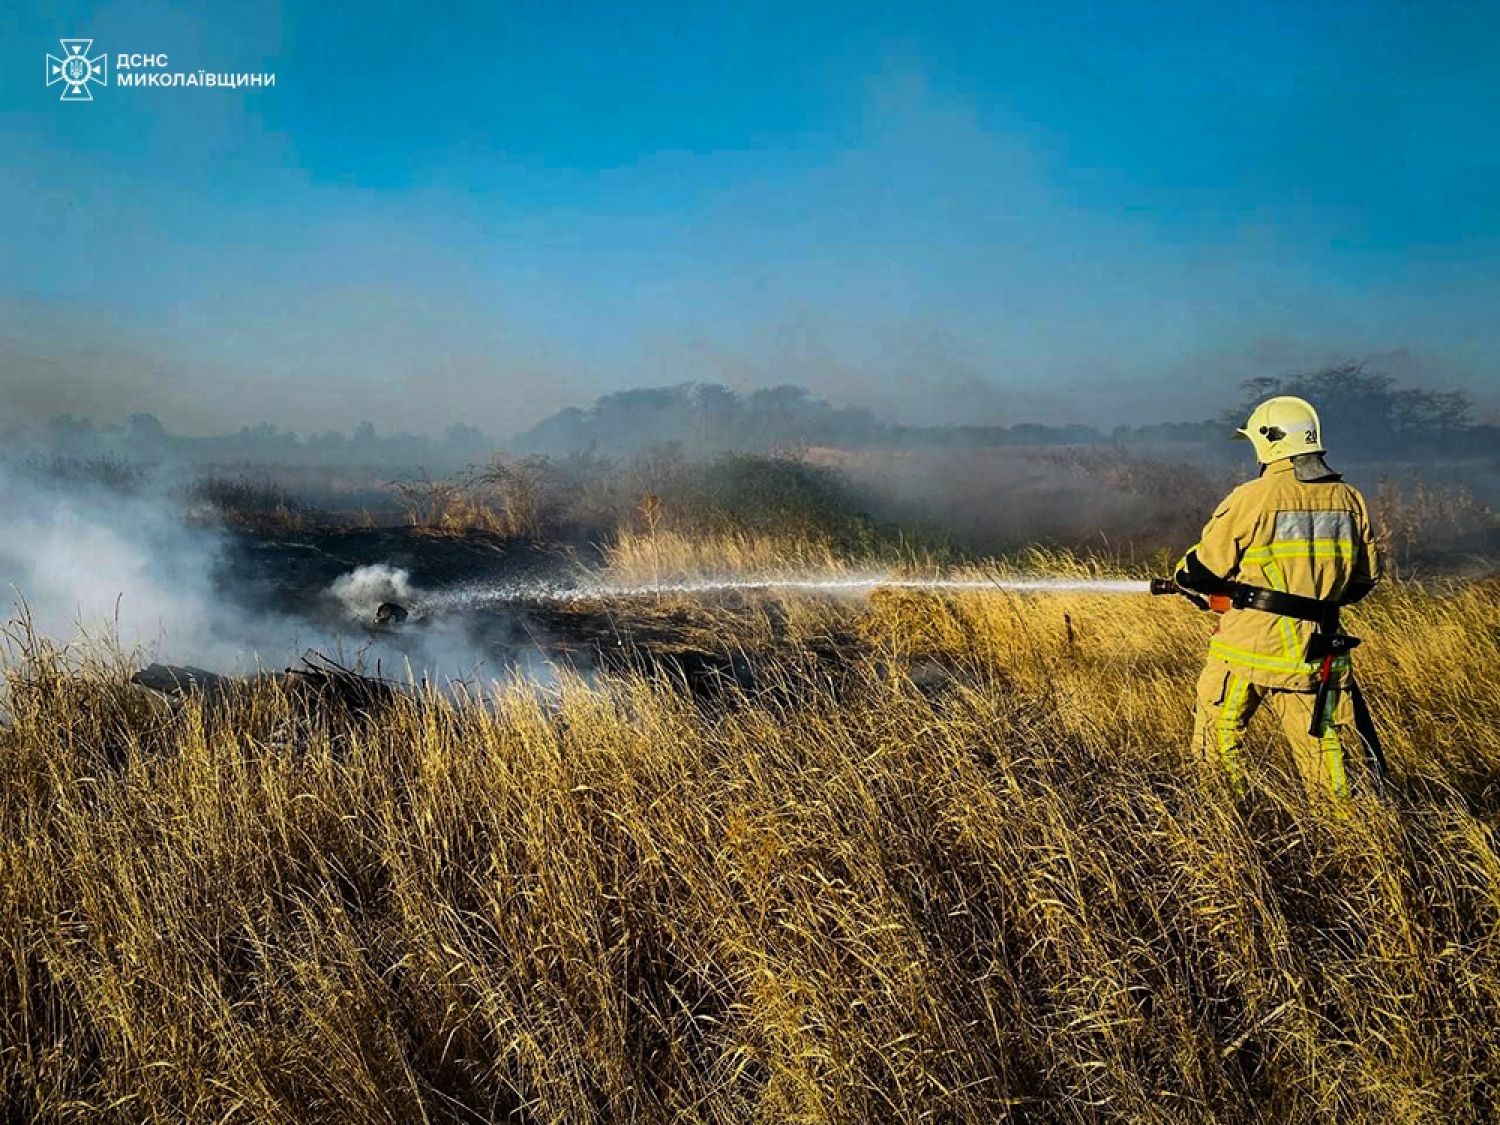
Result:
[1032,433]
[264,442]
[1361,406]
[701,417]
[567,429]
[463,438]
[146,429]
[327,441]
[717,409]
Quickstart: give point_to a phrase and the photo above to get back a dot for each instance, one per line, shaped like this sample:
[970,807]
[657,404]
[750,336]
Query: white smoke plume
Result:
[91,561]
[362,591]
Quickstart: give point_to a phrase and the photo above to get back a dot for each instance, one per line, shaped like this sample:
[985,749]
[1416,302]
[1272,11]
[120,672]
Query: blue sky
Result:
[977,212]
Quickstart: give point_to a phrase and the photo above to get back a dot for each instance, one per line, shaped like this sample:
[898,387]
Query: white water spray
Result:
[535,592]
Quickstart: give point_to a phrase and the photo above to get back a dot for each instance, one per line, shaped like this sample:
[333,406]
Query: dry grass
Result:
[446,506]
[1418,522]
[665,555]
[850,895]
[661,555]
[258,506]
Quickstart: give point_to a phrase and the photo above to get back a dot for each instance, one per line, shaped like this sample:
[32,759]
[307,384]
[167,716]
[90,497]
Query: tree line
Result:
[1363,409]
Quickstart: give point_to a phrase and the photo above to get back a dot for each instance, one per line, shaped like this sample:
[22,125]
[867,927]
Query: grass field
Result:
[965,871]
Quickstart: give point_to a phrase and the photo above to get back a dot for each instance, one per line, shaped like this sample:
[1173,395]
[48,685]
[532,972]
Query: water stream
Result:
[538,592]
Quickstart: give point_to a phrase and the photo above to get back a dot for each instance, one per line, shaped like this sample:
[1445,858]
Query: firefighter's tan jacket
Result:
[1281,533]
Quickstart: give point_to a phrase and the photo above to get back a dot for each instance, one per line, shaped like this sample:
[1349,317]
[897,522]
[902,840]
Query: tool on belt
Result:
[1325,646]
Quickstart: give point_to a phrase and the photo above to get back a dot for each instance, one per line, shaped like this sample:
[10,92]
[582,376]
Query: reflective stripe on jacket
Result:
[1308,538]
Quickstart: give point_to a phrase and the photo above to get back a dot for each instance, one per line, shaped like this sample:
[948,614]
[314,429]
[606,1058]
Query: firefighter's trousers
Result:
[1226,702]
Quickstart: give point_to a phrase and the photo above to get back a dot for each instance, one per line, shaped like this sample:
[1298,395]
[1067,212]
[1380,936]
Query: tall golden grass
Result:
[1000,890]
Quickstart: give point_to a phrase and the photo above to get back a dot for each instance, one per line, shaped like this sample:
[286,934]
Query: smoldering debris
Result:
[320,682]
[390,614]
[177,680]
[366,590]
[323,700]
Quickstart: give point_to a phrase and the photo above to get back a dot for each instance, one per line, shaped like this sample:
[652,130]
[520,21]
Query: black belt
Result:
[1325,614]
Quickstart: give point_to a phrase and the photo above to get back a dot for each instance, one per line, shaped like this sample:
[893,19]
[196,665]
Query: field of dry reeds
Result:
[963,870]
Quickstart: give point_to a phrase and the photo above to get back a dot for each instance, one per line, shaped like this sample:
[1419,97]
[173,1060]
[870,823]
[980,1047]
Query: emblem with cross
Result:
[76,70]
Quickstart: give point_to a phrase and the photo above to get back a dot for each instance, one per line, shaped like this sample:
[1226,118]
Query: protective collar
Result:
[1311,468]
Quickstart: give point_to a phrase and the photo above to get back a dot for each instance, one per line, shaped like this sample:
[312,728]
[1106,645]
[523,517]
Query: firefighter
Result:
[1288,549]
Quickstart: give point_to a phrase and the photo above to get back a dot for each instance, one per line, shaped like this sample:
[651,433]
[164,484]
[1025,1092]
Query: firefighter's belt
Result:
[1325,614]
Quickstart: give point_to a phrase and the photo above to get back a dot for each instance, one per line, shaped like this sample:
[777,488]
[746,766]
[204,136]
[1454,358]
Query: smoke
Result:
[106,568]
[87,560]
[363,590]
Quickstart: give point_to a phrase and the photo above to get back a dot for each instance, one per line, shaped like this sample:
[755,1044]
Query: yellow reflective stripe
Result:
[1333,748]
[1333,760]
[1268,663]
[1289,646]
[1343,544]
[1226,730]
[1303,549]
[1273,575]
[1330,732]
